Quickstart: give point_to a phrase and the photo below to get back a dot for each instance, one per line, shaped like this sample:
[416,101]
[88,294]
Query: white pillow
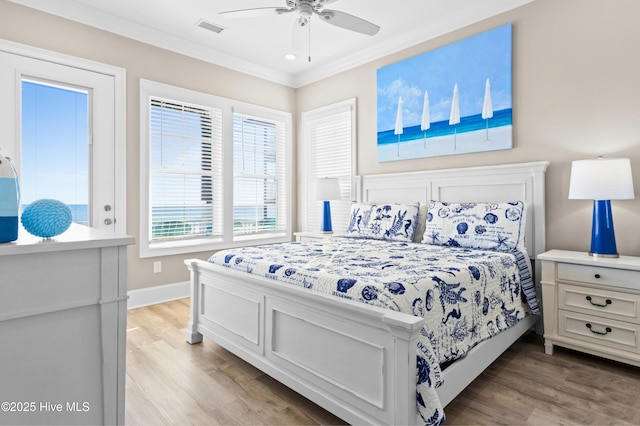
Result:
[488,226]
[378,221]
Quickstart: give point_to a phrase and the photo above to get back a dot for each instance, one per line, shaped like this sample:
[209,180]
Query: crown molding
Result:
[76,11]
[79,12]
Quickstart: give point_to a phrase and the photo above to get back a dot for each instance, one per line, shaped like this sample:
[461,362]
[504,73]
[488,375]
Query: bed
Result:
[306,339]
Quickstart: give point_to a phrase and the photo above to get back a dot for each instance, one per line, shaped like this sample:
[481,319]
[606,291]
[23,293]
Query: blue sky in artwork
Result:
[467,63]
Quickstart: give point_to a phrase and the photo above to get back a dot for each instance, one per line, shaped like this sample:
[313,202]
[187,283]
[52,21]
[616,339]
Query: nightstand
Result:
[309,236]
[592,304]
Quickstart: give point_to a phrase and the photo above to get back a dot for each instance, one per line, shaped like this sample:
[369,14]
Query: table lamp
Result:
[327,189]
[602,180]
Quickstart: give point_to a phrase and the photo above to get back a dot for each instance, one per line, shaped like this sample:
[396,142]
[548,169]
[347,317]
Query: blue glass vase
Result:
[9,201]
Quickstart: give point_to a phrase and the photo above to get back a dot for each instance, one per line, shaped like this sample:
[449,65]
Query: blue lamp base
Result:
[603,238]
[326,218]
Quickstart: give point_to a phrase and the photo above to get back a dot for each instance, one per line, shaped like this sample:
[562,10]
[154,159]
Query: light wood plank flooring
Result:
[170,382]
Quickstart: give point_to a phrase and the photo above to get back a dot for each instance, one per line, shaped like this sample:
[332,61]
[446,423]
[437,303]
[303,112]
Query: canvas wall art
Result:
[452,100]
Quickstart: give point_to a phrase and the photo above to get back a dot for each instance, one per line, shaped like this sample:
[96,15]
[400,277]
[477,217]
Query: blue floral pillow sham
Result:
[488,226]
[378,221]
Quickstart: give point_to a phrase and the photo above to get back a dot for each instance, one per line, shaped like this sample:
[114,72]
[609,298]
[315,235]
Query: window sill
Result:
[170,248]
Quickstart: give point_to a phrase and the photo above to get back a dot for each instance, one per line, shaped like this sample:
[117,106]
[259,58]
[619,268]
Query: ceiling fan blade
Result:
[248,13]
[349,22]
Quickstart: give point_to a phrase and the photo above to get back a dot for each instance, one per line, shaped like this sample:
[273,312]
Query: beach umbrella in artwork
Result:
[487,108]
[426,119]
[399,129]
[454,117]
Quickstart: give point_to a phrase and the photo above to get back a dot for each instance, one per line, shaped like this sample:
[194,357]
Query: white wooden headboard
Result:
[500,183]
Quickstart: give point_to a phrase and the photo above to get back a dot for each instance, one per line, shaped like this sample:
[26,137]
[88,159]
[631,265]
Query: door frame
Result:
[120,98]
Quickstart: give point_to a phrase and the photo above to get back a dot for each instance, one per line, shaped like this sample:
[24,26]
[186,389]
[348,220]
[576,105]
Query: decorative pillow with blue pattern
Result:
[378,221]
[487,226]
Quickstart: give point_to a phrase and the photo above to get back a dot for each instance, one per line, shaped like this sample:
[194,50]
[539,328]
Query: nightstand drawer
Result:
[610,304]
[603,331]
[598,275]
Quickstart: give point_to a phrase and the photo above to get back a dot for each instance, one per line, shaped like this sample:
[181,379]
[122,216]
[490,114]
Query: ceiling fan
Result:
[307,8]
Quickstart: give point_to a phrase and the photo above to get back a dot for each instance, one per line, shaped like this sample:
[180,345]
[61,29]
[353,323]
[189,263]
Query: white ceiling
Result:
[257,45]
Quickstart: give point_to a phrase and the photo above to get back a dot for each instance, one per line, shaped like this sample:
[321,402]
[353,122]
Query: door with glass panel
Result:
[58,128]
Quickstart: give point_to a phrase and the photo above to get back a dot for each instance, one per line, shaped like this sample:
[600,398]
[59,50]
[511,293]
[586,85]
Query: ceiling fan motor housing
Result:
[307,7]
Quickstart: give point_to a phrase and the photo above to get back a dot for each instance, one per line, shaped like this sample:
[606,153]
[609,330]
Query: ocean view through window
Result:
[55,147]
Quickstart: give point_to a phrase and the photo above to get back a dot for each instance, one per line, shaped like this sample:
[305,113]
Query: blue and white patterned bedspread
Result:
[465,295]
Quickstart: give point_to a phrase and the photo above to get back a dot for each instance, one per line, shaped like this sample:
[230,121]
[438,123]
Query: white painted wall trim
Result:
[158,294]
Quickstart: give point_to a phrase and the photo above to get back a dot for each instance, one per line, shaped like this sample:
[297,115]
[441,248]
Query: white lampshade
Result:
[601,179]
[327,189]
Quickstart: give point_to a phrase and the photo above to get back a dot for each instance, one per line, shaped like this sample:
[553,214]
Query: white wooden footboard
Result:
[355,360]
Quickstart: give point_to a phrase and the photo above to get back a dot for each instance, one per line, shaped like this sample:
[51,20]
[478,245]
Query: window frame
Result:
[229,107]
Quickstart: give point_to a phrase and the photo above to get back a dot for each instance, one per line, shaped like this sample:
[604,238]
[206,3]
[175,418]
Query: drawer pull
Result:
[606,330]
[607,302]
[597,276]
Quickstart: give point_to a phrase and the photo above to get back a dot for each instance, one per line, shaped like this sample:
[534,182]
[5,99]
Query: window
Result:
[185,160]
[55,146]
[258,169]
[329,151]
[63,126]
[215,172]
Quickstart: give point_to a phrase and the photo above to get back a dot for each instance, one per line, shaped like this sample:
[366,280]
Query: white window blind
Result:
[185,163]
[259,174]
[329,145]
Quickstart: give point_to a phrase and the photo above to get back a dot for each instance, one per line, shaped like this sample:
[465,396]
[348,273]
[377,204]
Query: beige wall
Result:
[576,95]
[23,25]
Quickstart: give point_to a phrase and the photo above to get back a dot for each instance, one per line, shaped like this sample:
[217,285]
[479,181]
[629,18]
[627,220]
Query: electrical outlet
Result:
[157,267]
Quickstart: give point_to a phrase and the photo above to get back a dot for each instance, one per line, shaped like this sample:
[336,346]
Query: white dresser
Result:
[63,307]
[592,304]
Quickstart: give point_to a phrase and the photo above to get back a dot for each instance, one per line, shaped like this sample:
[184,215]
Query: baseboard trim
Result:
[158,294]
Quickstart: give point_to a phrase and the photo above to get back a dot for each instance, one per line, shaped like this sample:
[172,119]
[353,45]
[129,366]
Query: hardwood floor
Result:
[170,382]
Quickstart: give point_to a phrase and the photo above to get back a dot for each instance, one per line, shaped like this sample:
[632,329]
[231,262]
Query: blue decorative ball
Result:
[46,218]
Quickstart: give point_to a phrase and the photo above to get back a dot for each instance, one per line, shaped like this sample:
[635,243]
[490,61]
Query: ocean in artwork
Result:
[443,128]
[455,99]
